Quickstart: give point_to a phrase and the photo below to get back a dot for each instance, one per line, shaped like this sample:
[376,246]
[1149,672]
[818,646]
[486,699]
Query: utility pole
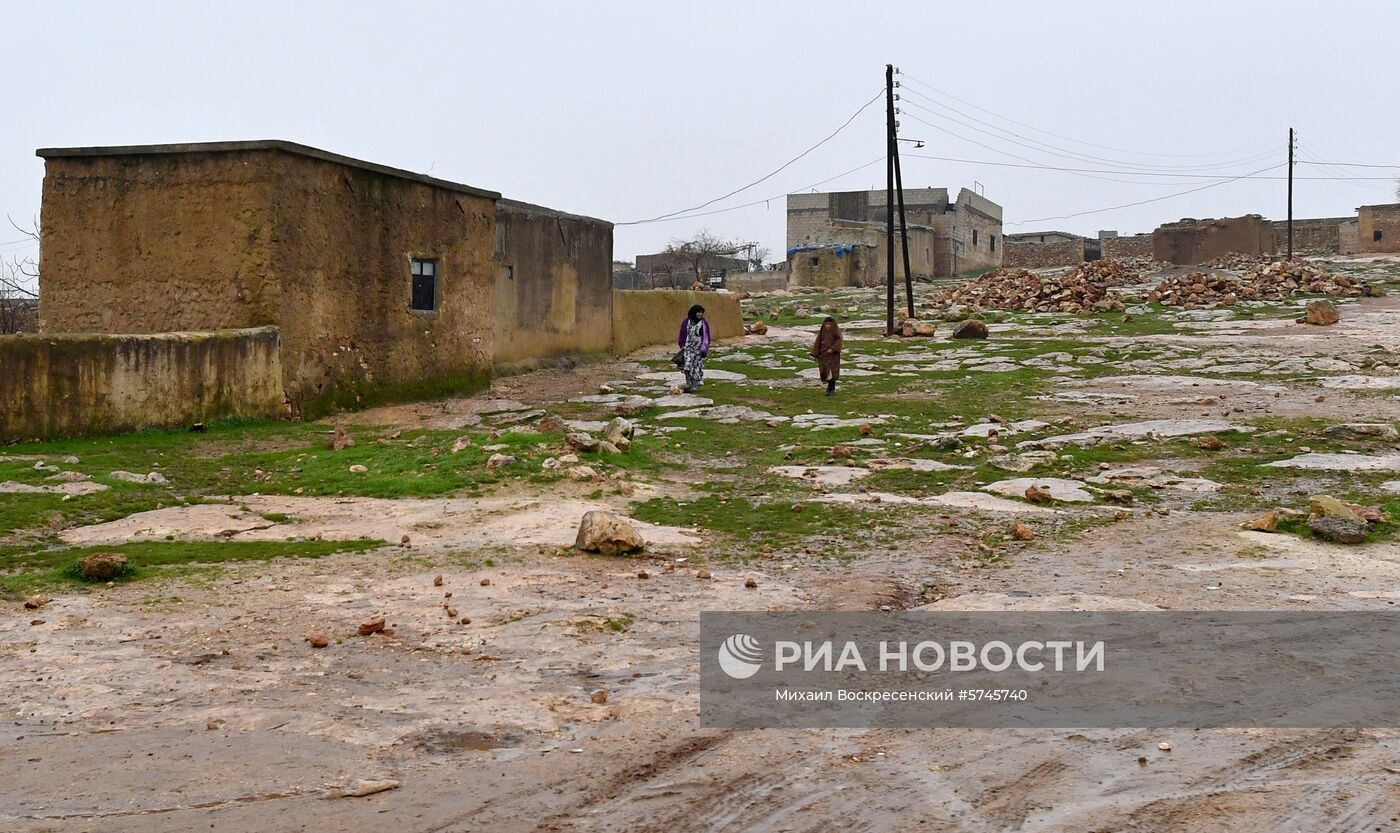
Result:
[1290,194]
[889,199]
[903,228]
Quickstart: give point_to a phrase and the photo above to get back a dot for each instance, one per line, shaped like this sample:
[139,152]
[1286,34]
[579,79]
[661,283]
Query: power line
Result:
[764,178]
[860,167]
[1349,164]
[1152,200]
[1144,173]
[934,89]
[1066,153]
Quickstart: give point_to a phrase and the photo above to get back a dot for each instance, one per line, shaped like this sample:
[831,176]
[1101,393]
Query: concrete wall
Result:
[1189,242]
[553,285]
[63,385]
[1036,255]
[646,317]
[1349,237]
[1129,245]
[1381,221]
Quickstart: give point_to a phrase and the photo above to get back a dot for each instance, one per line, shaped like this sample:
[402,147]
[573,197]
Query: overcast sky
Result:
[627,110]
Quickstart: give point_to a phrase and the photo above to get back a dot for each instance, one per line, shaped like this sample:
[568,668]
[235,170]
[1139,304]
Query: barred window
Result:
[424,292]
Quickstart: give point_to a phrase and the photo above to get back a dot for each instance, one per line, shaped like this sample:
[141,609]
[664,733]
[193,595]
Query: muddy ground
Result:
[561,695]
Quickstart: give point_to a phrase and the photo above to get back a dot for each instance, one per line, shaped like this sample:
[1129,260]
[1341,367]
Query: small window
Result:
[992,239]
[1376,235]
[510,273]
[926,257]
[1042,238]
[424,294]
[816,261]
[974,237]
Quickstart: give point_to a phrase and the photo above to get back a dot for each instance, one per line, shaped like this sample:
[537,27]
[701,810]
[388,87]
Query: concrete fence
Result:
[65,385]
[653,316]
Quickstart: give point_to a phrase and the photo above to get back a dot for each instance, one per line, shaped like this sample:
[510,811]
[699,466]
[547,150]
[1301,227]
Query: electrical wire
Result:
[766,177]
[904,155]
[931,88]
[1152,200]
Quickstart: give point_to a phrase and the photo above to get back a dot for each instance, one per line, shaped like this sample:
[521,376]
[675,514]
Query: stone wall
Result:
[1319,235]
[1190,241]
[1378,228]
[1130,245]
[66,385]
[977,234]
[766,280]
[653,316]
[553,285]
[1038,255]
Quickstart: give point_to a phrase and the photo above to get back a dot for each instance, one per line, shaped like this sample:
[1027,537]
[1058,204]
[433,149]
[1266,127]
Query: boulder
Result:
[340,440]
[1380,430]
[1264,523]
[607,533]
[1320,313]
[1341,530]
[499,460]
[551,424]
[581,473]
[605,447]
[1324,506]
[102,566]
[619,432]
[1021,532]
[757,328]
[461,444]
[580,441]
[971,328]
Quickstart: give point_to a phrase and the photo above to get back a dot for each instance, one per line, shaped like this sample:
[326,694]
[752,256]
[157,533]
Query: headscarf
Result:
[694,313]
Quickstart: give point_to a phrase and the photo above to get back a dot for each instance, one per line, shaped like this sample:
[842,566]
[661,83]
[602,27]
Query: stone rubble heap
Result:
[1273,281]
[1083,289]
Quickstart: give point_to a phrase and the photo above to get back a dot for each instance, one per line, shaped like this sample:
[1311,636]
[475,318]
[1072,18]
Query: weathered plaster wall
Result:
[553,285]
[146,244]
[653,316]
[1190,241]
[63,385]
[1378,220]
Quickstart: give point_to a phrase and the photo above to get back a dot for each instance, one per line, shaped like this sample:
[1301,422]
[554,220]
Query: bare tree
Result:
[19,289]
[700,252]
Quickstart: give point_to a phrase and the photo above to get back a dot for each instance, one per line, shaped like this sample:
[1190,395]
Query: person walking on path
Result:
[694,342]
[827,352]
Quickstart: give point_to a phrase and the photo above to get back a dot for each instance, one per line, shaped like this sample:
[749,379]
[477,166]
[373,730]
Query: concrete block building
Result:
[945,237]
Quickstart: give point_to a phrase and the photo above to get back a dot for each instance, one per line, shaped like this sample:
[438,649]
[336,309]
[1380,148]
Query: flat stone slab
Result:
[815,372]
[985,429]
[822,475]
[723,413]
[1391,486]
[822,422]
[1160,428]
[912,464]
[1358,382]
[1340,462]
[682,400]
[500,406]
[676,377]
[984,503]
[1069,491]
[80,487]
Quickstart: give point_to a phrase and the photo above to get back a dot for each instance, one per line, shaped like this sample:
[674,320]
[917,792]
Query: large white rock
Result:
[1340,462]
[607,533]
[1069,491]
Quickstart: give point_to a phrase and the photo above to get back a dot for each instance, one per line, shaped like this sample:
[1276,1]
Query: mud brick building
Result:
[954,236]
[384,284]
[1378,228]
[1190,241]
[1032,250]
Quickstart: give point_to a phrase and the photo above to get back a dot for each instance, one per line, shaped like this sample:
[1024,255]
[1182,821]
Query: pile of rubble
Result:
[1272,281]
[1109,272]
[1083,289]
[1236,262]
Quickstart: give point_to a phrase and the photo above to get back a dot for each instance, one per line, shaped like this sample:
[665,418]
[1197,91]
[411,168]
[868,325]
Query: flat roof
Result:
[262,144]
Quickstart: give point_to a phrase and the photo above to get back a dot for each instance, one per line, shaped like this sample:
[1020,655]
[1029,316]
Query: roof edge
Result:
[506,204]
[262,144]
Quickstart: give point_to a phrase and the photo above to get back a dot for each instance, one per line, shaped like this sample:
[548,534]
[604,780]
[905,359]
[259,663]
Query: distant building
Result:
[1037,249]
[1378,228]
[838,238]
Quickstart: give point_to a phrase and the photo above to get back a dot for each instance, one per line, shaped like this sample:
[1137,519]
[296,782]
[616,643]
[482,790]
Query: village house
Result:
[838,238]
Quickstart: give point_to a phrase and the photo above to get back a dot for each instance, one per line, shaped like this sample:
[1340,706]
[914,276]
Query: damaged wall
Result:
[1190,241]
[1128,245]
[1034,255]
[643,317]
[1378,228]
[553,285]
[68,385]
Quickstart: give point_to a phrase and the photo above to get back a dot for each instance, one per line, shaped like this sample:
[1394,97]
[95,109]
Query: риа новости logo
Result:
[740,656]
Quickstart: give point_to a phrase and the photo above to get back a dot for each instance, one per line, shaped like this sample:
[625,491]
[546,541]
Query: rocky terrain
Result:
[481,614]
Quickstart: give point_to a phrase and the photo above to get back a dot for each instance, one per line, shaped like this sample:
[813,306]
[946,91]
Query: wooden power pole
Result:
[903,227]
[1290,193]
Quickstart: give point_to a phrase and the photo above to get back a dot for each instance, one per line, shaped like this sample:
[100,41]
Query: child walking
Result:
[827,352]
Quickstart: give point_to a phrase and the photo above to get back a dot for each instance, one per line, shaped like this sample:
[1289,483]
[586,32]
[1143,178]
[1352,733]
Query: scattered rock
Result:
[1267,522]
[607,533]
[643,574]
[372,626]
[102,566]
[461,444]
[450,611]
[486,582]
[599,697]
[437,581]
[605,447]
[1320,313]
[1021,532]
[841,452]
[1164,746]
[757,328]
[1035,494]
[35,602]
[580,441]
[971,328]
[362,787]
[619,432]
[340,440]
[581,473]
[318,640]
[497,461]
[1210,442]
[702,573]
[1341,530]
[751,582]
[913,327]
[1380,430]
[358,469]
[1325,506]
